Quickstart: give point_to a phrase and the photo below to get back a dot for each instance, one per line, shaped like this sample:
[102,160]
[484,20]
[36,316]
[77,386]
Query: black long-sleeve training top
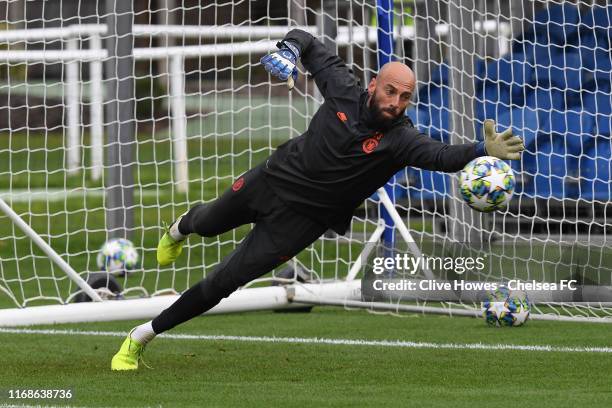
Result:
[343,157]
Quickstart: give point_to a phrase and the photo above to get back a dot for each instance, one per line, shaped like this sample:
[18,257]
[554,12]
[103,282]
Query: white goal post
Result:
[270,298]
[204,111]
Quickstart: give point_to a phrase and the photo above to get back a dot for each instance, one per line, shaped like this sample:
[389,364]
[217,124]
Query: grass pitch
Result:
[249,371]
[231,136]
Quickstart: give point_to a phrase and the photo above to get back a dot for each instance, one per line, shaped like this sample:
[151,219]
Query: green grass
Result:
[75,226]
[231,135]
[195,373]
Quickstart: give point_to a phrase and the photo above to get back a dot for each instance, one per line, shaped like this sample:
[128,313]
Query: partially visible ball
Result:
[118,256]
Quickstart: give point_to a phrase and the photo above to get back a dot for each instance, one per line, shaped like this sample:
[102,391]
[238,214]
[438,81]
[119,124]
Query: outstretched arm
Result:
[426,153]
[330,73]
[419,150]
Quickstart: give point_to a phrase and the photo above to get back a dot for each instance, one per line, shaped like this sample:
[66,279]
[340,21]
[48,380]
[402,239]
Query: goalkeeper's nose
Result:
[392,109]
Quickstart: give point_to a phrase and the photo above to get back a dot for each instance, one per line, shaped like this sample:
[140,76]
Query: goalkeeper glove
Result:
[282,63]
[503,145]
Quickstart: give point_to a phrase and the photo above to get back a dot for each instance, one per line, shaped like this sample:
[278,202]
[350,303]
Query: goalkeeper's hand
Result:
[503,145]
[282,63]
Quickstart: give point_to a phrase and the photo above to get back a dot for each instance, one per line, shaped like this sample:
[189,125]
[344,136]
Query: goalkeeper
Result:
[356,141]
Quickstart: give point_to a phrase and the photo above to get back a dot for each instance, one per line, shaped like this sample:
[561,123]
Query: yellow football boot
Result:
[128,356]
[168,249]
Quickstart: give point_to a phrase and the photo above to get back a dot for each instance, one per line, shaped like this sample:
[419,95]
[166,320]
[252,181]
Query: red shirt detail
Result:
[369,145]
[238,184]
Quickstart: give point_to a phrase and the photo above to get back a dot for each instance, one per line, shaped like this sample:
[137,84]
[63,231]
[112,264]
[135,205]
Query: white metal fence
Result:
[257,40]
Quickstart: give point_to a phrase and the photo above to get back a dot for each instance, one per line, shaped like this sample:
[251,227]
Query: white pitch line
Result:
[335,342]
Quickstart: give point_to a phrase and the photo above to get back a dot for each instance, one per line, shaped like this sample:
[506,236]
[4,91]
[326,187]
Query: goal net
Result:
[118,119]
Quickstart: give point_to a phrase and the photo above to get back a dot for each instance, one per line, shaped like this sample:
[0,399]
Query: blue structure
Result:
[554,89]
[384,10]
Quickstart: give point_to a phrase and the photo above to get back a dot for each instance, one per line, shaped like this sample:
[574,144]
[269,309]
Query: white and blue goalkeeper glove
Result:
[282,63]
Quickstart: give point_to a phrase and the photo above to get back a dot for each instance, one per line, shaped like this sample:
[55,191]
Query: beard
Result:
[377,113]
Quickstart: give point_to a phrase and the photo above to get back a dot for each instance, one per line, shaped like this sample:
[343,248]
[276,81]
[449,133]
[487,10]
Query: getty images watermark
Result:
[447,277]
[409,264]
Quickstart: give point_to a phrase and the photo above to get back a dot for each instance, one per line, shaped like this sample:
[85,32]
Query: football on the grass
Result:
[486,183]
[506,308]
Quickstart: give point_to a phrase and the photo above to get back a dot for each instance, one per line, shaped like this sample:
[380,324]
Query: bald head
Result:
[390,92]
[397,73]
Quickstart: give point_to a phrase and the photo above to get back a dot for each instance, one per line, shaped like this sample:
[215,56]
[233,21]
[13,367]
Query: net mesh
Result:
[542,68]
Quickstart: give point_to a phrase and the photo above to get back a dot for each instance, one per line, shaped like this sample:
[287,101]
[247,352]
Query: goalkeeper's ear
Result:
[372,86]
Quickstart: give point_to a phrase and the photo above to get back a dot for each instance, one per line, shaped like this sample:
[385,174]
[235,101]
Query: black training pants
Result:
[279,234]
